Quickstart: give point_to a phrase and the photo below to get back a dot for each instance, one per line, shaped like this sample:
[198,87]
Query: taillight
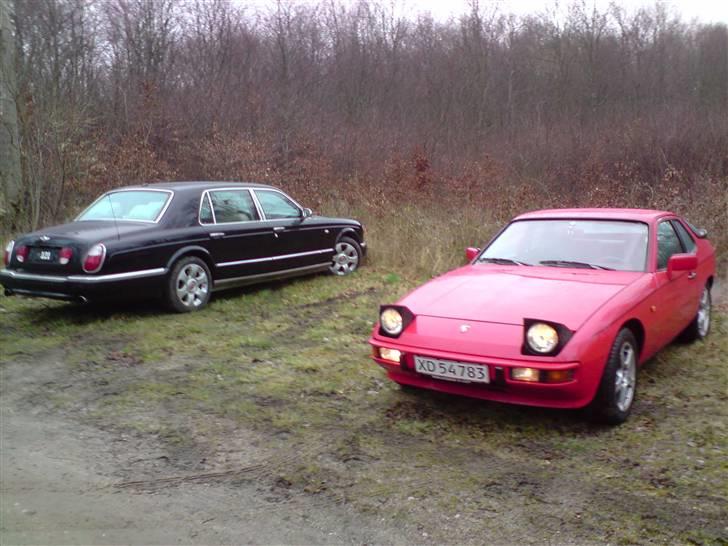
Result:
[94,258]
[65,255]
[21,253]
[8,252]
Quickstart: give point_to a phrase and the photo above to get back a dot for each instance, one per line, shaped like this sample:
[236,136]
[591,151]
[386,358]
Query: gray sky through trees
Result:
[705,11]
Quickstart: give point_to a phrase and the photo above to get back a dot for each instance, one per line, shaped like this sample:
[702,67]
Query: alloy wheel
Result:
[346,259]
[625,378]
[192,285]
[704,313]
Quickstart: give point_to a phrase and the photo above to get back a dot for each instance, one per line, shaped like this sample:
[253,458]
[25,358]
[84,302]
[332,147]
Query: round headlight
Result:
[542,338]
[391,321]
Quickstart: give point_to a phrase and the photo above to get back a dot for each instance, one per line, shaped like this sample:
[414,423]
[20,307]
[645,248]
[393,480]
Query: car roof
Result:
[639,215]
[198,185]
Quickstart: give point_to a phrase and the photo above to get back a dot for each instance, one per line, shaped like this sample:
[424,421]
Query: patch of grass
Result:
[291,362]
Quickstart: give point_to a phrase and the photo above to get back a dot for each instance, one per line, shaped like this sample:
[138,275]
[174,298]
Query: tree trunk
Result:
[10,173]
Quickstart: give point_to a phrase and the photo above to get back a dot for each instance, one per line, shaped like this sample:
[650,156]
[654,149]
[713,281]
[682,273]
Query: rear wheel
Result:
[613,401]
[700,326]
[347,258]
[189,285]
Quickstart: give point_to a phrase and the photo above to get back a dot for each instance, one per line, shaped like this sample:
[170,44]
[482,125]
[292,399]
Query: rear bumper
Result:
[572,394]
[81,287]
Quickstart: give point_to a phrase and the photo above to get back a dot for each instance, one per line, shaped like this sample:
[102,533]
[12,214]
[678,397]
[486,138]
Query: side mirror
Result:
[307,213]
[681,262]
[471,253]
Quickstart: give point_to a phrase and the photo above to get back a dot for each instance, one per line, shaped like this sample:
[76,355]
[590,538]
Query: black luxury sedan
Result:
[180,240]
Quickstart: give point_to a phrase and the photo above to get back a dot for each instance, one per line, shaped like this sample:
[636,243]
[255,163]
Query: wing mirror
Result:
[471,253]
[307,213]
[681,262]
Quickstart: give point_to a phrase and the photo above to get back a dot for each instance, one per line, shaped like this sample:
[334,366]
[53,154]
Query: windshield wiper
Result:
[502,261]
[568,263]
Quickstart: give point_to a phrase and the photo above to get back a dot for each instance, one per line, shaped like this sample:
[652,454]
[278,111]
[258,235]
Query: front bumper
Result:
[572,394]
[81,287]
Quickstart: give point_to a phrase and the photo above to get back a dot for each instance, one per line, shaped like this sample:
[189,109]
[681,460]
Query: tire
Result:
[347,258]
[700,326]
[189,285]
[618,387]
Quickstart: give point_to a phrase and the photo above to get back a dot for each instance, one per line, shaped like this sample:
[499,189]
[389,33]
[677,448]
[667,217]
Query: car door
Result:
[673,298]
[299,241]
[240,241]
[694,288]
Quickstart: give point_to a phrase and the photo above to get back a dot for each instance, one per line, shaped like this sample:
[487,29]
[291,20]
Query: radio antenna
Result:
[113,215]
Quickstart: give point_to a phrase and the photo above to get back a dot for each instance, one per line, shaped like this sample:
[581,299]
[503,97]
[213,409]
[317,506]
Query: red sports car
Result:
[559,310]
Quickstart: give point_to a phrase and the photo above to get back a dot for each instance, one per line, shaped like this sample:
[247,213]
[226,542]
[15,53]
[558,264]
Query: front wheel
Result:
[347,258]
[189,285]
[613,401]
[700,326]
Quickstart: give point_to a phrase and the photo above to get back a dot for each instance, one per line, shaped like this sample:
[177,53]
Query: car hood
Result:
[86,232]
[507,295]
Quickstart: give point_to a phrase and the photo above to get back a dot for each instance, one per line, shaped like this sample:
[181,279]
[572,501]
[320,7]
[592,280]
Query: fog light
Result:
[524,374]
[558,376]
[393,355]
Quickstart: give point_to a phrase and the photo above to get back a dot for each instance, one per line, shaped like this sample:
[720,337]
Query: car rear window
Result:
[134,205]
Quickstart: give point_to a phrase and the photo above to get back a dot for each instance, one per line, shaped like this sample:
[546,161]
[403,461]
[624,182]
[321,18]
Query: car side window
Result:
[277,206]
[685,238]
[233,206]
[667,244]
[206,211]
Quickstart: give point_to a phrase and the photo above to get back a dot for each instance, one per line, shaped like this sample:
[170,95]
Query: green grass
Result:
[290,361]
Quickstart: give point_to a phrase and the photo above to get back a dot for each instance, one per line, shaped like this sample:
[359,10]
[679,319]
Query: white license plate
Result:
[452,371]
[45,255]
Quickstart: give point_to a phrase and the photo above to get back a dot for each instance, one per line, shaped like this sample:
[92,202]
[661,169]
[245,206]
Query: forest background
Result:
[432,132]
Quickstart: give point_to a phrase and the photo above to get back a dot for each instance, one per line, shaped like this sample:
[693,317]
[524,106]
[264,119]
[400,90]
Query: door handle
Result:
[692,275]
[217,235]
[278,229]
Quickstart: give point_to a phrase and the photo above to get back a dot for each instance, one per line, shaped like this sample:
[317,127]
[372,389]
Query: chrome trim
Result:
[32,277]
[204,196]
[155,221]
[83,279]
[275,258]
[223,284]
[214,217]
[258,206]
[141,274]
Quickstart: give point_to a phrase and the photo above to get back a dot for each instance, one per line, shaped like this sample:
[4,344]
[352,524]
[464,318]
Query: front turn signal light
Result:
[525,374]
[393,355]
[558,376]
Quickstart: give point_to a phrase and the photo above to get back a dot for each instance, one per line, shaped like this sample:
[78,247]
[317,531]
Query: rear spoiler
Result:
[699,232]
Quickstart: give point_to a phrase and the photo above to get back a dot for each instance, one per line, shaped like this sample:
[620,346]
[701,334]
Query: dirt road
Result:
[65,483]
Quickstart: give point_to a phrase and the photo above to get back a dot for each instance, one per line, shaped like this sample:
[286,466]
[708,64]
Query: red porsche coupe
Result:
[558,310]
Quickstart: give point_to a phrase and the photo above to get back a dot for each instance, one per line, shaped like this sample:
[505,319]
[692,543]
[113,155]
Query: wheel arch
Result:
[197,251]
[635,326]
[349,232]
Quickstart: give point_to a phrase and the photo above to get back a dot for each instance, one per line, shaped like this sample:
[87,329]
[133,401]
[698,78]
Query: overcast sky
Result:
[704,10]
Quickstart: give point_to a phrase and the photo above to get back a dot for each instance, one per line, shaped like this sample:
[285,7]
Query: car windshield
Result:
[136,205]
[592,244]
